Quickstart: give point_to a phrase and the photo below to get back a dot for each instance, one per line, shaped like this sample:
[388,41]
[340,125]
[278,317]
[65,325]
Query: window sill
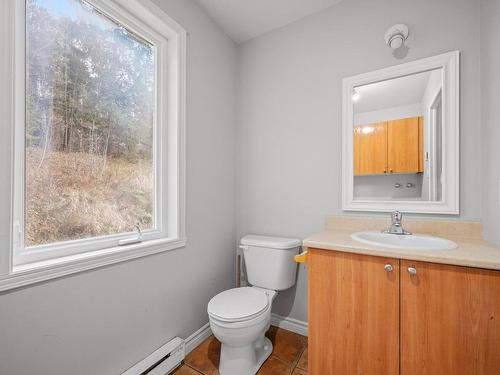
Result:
[50,269]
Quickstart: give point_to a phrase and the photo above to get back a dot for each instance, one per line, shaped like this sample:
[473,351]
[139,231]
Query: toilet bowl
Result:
[240,317]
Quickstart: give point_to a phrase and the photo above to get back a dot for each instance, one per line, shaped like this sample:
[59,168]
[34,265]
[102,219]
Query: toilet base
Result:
[263,353]
[245,360]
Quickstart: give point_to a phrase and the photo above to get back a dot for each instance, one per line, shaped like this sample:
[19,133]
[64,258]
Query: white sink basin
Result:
[396,241]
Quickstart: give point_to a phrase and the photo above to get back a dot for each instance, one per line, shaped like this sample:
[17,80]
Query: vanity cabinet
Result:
[382,316]
[353,314]
[450,320]
[394,146]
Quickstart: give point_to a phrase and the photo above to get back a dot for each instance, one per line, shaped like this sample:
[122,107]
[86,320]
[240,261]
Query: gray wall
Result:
[102,322]
[490,81]
[289,111]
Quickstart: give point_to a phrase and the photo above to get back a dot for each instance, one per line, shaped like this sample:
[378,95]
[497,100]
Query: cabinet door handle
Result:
[412,271]
[388,267]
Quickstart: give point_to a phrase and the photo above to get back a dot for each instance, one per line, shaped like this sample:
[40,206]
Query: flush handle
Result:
[412,271]
[388,267]
[301,258]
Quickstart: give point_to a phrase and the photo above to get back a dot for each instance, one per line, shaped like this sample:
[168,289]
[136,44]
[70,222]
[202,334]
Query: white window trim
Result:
[169,38]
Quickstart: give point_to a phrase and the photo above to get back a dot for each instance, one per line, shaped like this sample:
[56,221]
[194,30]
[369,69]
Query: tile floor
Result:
[289,356]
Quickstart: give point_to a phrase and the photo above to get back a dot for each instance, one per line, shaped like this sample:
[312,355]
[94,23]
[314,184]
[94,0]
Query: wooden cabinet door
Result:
[403,145]
[450,320]
[353,314]
[421,148]
[357,150]
[370,149]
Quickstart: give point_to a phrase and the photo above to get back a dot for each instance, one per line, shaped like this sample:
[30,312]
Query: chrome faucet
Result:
[396,225]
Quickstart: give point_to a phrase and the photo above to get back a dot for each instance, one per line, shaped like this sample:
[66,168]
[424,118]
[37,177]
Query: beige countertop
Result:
[472,251]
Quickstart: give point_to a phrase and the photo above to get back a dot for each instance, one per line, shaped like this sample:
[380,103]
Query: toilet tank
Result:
[269,261]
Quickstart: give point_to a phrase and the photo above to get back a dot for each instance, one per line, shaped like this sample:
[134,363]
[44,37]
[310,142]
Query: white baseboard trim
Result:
[290,324]
[197,337]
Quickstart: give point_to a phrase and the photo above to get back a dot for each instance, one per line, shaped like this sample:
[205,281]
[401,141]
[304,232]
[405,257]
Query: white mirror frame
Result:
[450,63]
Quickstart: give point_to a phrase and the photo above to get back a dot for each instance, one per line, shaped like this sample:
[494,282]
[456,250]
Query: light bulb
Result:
[355,96]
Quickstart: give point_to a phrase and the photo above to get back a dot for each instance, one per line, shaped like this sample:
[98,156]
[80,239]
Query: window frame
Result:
[169,42]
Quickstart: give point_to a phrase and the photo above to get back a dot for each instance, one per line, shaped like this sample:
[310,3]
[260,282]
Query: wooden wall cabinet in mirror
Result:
[394,146]
[370,149]
[400,141]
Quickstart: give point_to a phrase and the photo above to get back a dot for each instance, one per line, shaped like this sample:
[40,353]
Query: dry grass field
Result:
[74,195]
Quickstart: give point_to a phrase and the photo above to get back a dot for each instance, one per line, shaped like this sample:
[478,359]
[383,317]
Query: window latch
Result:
[136,239]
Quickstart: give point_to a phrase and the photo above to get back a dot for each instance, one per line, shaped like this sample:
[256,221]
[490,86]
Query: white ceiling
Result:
[246,19]
[392,93]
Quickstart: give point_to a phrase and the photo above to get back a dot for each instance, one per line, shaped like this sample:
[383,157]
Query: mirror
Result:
[401,138]
[397,133]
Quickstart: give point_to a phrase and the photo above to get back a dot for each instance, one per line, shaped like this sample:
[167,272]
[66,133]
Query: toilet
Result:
[240,317]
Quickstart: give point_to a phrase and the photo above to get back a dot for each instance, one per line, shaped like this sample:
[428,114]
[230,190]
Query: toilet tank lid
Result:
[271,242]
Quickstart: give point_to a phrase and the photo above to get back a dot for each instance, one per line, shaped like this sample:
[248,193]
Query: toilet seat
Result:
[238,304]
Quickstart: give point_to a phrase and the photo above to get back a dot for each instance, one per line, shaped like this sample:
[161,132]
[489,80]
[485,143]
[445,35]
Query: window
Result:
[98,130]
[89,125]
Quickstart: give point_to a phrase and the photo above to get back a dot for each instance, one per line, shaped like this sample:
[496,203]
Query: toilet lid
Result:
[238,304]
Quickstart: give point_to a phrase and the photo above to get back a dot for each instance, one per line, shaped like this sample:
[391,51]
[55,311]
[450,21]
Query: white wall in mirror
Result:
[401,138]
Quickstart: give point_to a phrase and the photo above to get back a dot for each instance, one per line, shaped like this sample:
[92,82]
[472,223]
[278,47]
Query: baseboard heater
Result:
[161,361]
